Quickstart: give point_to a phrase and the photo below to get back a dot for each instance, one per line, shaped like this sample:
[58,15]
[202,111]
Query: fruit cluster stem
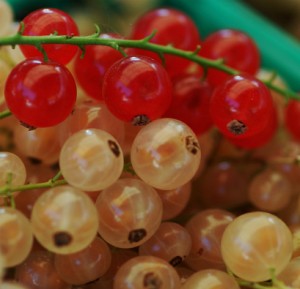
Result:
[120,44]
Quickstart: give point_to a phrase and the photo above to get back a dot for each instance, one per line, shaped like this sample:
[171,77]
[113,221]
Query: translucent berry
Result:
[137,89]
[171,242]
[255,243]
[190,102]
[86,265]
[91,114]
[39,145]
[90,69]
[64,220]
[241,106]
[91,160]
[129,213]
[146,272]
[291,114]
[174,201]
[236,48]
[39,93]
[270,190]
[171,26]
[12,169]
[16,236]
[206,230]
[165,154]
[38,271]
[210,279]
[49,21]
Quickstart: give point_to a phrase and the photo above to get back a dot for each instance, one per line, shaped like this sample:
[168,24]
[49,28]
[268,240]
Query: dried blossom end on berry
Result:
[176,261]
[62,239]
[136,235]
[140,120]
[30,127]
[151,281]
[237,127]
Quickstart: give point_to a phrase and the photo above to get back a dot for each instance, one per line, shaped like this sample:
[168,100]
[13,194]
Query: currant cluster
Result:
[126,167]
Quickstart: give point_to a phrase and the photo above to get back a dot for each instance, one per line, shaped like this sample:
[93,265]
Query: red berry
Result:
[137,89]
[45,22]
[261,138]
[190,102]
[291,118]
[172,27]
[236,49]
[90,69]
[40,94]
[240,107]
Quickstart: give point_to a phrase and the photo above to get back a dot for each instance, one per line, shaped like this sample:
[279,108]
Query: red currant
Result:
[45,22]
[190,102]
[39,93]
[291,116]
[90,69]
[241,106]
[236,49]
[261,138]
[172,27]
[137,89]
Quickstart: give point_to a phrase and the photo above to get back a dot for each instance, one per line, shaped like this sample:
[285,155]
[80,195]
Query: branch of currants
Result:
[120,44]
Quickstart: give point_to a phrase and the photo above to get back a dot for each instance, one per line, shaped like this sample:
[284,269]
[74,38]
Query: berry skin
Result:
[165,154]
[237,50]
[137,89]
[91,159]
[90,69]
[291,116]
[45,22]
[171,27]
[129,213]
[147,272]
[64,220]
[190,102]
[261,138]
[16,236]
[241,106]
[254,243]
[40,94]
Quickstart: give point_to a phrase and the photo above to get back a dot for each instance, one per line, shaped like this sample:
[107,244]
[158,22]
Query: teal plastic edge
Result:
[279,51]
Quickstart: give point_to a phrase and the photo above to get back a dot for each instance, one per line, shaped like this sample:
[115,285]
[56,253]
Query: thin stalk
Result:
[120,44]
[48,184]
[5,114]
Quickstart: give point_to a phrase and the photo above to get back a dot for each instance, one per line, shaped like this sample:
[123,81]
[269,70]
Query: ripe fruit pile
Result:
[170,174]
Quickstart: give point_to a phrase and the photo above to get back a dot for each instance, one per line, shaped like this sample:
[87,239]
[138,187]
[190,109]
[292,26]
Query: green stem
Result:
[5,114]
[7,189]
[276,284]
[56,177]
[9,193]
[37,41]
[54,182]
[119,44]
